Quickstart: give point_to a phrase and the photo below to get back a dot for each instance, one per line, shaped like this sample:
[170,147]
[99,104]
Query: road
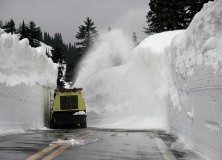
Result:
[92,144]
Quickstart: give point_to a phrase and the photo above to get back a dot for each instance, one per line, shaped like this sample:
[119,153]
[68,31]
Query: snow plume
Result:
[20,63]
[114,49]
[127,87]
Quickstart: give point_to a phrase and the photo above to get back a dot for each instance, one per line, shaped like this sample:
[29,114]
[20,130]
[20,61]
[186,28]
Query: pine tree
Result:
[34,34]
[47,39]
[164,16]
[60,78]
[134,37]
[171,14]
[23,31]
[192,7]
[1,24]
[10,27]
[87,36]
[58,57]
[57,51]
[71,63]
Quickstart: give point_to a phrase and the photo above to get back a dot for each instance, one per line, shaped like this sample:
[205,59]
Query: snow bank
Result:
[127,87]
[26,75]
[201,43]
[23,107]
[196,93]
[19,63]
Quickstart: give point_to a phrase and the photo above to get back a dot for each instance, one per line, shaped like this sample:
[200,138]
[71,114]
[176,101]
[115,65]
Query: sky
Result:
[65,16]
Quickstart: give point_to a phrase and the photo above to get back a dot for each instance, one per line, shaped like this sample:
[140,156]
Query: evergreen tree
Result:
[57,52]
[58,57]
[34,34]
[1,24]
[171,14]
[192,7]
[10,27]
[23,31]
[134,37]
[69,72]
[87,36]
[62,54]
[71,63]
[47,39]
[60,78]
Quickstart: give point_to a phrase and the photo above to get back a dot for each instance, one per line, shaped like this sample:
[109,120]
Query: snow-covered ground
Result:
[26,75]
[172,80]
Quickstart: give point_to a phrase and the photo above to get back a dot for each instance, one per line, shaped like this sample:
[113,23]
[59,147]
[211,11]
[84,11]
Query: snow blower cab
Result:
[68,108]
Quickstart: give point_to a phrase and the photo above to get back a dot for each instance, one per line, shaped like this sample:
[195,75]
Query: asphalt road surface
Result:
[93,144]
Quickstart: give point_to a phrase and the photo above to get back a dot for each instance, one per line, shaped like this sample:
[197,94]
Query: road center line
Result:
[42,152]
[56,152]
[54,146]
[63,148]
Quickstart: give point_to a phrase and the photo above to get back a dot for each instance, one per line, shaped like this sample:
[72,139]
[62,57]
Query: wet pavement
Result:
[94,144]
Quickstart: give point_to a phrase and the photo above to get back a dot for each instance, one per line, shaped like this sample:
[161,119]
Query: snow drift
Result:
[127,87]
[26,75]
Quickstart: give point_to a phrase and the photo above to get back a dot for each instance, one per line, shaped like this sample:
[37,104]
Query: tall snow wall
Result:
[26,76]
[196,93]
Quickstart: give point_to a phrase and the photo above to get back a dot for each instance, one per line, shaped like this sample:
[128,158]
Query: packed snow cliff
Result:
[201,43]
[196,89]
[26,76]
[20,63]
[196,55]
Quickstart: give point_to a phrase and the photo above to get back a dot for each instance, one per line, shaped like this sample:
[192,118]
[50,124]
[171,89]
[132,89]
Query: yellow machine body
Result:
[68,108]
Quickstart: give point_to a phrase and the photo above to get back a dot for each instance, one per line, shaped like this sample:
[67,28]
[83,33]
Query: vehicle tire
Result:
[83,125]
[52,122]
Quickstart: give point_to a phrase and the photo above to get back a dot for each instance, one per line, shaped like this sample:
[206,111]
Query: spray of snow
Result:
[127,87]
